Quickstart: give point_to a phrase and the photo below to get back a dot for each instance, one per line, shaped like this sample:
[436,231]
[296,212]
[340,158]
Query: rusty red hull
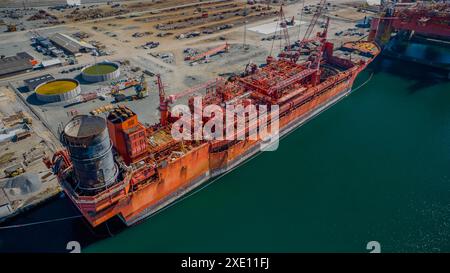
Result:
[161,180]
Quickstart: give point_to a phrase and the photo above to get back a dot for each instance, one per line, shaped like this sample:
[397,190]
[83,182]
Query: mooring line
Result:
[41,222]
[364,83]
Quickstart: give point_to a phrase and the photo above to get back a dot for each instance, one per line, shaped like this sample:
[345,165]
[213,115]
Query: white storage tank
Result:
[99,72]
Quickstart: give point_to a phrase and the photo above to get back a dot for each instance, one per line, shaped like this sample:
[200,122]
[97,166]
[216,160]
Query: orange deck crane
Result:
[284,27]
[164,100]
[314,20]
[293,54]
[321,36]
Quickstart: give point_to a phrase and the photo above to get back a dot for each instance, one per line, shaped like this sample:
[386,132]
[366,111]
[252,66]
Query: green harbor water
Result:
[374,167]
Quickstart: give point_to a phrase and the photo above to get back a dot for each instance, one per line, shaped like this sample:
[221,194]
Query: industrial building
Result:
[13,133]
[69,45]
[51,63]
[44,42]
[34,82]
[16,64]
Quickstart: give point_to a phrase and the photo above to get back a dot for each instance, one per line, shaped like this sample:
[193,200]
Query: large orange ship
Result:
[118,167]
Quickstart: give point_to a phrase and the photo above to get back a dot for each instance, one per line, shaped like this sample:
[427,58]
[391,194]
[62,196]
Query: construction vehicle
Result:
[141,88]
[11,28]
[27,120]
[14,170]
[123,85]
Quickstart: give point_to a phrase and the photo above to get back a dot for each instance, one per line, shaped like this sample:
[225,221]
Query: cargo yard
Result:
[65,67]
[154,42]
[25,141]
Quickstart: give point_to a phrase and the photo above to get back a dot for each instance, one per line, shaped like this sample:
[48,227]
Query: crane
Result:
[313,65]
[211,52]
[141,88]
[284,27]
[314,20]
[59,158]
[293,54]
[164,100]
[320,37]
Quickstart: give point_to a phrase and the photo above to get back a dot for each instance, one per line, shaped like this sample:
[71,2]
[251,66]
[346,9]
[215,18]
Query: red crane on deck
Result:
[293,55]
[314,20]
[163,103]
[164,100]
